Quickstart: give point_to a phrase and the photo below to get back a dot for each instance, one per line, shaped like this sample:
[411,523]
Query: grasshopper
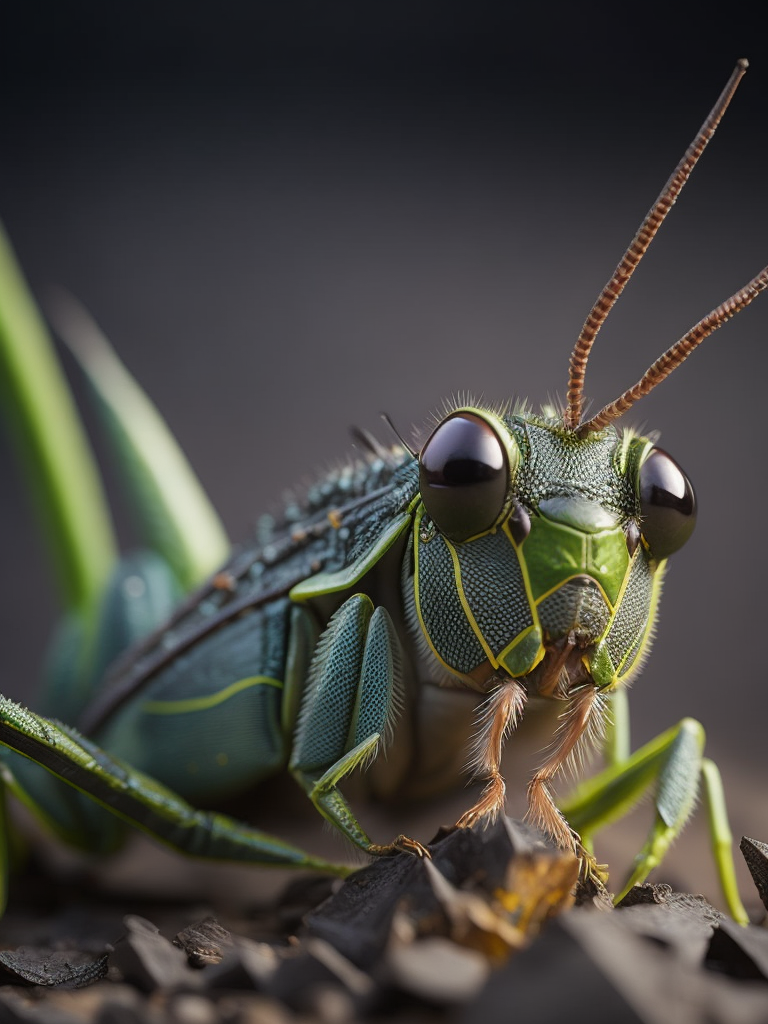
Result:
[516,555]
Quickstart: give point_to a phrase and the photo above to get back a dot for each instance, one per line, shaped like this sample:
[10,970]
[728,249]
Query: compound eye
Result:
[464,476]
[667,504]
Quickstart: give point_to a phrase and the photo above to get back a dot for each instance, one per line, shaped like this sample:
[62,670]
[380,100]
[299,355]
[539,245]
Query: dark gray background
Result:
[289,217]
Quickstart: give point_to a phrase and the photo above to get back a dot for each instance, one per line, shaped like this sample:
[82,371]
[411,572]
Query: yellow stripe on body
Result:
[612,618]
[181,707]
[524,572]
[417,604]
[465,604]
[579,575]
[657,581]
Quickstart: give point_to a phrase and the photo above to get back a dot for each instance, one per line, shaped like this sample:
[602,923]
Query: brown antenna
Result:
[675,355]
[645,234]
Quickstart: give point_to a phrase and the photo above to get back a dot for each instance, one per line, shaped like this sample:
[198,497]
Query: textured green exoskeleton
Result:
[516,555]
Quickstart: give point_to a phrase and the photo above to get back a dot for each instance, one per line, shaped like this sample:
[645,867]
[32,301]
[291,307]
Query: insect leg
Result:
[500,716]
[141,592]
[616,748]
[140,800]
[673,763]
[721,838]
[350,704]
[542,810]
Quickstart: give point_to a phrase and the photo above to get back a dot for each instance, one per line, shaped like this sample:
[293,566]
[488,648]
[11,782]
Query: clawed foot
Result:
[590,872]
[491,802]
[400,844]
[467,820]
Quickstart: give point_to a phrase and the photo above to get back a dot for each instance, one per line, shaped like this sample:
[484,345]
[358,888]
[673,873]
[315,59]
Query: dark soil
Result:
[488,930]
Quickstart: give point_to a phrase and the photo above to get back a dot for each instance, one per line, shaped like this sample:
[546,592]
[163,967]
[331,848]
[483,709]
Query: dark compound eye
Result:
[667,504]
[464,476]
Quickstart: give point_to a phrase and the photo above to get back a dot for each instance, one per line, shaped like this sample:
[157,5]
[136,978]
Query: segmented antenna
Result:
[675,355]
[629,261]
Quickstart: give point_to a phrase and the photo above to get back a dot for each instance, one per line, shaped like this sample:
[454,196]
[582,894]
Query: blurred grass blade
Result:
[174,513]
[55,455]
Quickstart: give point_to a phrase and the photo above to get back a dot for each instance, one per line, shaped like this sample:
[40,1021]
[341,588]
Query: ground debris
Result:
[489,924]
[34,966]
[148,960]
[437,970]
[681,921]
[741,952]
[586,963]
[646,893]
[488,889]
[755,854]
[204,942]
